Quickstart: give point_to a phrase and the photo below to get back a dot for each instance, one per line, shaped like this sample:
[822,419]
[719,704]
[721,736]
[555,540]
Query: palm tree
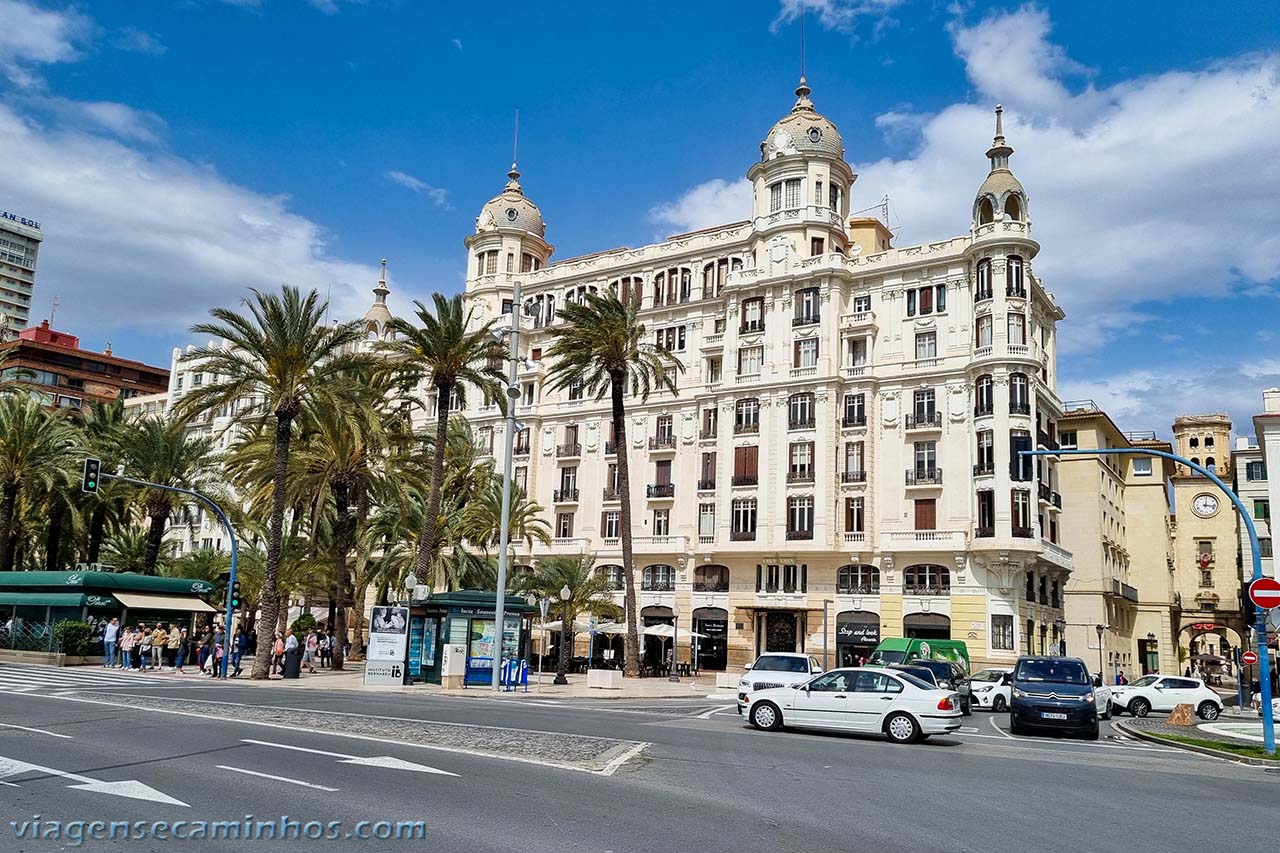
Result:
[600,347]
[34,448]
[278,358]
[129,548]
[589,592]
[163,452]
[450,353]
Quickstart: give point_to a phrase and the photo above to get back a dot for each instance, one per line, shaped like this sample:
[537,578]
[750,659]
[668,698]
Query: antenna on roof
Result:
[515,141]
[801,41]
[57,303]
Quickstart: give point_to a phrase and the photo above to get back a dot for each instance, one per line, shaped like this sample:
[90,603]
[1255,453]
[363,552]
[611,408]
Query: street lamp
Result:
[410,584]
[674,675]
[1102,668]
[565,594]
[1060,625]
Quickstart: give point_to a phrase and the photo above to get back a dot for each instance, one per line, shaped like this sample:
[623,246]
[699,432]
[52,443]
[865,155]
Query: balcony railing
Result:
[853,421]
[801,423]
[746,428]
[1019,408]
[611,493]
[851,536]
[711,586]
[706,485]
[658,586]
[662,442]
[1042,490]
[924,477]
[984,532]
[853,476]
[563,450]
[925,421]
[742,536]
[805,320]
[983,409]
[984,469]
[799,534]
[565,496]
[934,590]
[662,490]
[1019,292]
[521,450]
[801,476]
[746,479]
[1056,499]
[1046,441]
[1022,532]
[610,448]
[982,295]
[857,589]
[751,327]
[707,433]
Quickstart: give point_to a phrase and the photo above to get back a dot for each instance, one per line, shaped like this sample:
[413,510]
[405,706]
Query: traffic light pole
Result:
[1264,662]
[231,533]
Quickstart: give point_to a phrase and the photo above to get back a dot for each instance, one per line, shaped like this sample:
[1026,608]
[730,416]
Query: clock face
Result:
[1204,505]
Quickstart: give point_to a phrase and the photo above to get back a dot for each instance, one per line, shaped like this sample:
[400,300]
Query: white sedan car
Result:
[859,699]
[1162,693]
[990,689]
[776,669]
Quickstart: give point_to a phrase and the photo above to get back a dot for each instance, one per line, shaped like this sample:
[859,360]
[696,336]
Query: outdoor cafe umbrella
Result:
[669,631]
[578,627]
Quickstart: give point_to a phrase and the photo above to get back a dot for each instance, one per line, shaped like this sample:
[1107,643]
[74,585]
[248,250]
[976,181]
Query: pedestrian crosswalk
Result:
[27,678]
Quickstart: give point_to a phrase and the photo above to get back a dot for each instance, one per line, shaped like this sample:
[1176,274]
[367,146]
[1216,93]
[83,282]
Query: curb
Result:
[1203,750]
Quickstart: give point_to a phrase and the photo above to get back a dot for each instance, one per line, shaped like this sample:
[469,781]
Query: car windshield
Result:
[988,675]
[1054,671]
[777,663]
[1145,681]
[880,657]
[919,673]
[913,681]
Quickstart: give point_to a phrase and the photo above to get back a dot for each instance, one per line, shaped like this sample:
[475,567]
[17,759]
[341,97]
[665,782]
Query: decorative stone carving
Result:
[889,405]
[548,440]
[638,431]
[688,427]
[591,439]
[957,401]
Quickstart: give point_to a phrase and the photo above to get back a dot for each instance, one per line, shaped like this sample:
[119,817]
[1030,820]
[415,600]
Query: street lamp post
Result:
[826,602]
[504,530]
[1102,668]
[565,641]
[674,674]
[1061,626]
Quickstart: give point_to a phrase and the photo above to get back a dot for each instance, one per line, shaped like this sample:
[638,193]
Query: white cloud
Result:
[149,241]
[458,44]
[120,120]
[32,36]
[715,202]
[834,14]
[134,40]
[438,197]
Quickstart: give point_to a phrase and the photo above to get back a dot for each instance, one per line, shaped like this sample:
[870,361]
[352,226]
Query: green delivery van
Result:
[903,650]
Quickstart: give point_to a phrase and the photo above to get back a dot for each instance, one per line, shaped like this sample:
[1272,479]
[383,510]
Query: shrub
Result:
[73,637]
[303,624]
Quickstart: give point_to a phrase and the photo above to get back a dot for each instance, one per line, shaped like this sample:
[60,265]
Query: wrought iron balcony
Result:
[853,476]
[707,433]
[746,479]
[1019,292]
[746,428]
[1022,532]
[801,423]
[1056,499]
[706,485]
[926,590]
[805,320]
[565,496]
[983,469]
[924,477]
[658,586]
[1019,408]
[800,476]
[611,494]
[853,421]
[925,421]
[564,450]
[799,534]
[984,532]
[662,442]
[610,448]
[711,586]
[757,326]
[983,409]
[742,536]
[662,490]
[857,589]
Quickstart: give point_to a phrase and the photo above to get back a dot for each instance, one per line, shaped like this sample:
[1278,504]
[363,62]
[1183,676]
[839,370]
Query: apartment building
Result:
[61,374]
[843,448]
[20,240]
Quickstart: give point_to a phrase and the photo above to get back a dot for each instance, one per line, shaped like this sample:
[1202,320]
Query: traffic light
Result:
[235,594]
[91,469]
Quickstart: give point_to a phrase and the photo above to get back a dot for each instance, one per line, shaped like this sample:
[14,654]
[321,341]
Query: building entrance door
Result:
[780,631]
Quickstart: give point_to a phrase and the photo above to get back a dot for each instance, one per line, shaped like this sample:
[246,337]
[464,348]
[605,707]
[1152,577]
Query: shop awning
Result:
[185,603]
[43,599]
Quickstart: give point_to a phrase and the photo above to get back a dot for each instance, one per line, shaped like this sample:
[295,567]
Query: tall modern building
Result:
[20,240]
[841,461]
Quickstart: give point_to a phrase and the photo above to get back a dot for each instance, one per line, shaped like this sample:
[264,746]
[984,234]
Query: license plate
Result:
[1049,715]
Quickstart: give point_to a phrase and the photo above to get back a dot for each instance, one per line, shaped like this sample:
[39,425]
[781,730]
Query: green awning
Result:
[43,599]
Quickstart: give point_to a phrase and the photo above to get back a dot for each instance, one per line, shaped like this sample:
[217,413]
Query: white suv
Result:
[1162,693]
[776,669]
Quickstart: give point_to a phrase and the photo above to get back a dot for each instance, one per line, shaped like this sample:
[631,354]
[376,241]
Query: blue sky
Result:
[180,152]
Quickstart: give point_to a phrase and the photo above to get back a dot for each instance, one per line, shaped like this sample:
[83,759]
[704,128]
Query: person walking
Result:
[309,651]
[277,654]
[144,648]
[159,645]
[182,649]
[110,636]
[238,645]
[323,648]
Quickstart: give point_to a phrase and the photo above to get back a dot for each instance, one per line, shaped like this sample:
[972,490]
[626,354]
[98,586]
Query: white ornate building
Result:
[842,447]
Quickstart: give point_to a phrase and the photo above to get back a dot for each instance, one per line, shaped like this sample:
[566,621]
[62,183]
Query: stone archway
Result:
[1208,638]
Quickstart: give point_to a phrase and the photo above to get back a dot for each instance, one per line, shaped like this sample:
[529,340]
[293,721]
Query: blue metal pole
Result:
[231,534]
[1264,662]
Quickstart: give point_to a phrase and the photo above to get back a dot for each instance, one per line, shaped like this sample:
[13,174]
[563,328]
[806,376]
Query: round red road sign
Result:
[1265,593]
[1249,658]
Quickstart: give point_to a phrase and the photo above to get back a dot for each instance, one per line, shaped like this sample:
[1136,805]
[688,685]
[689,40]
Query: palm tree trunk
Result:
[53,539]
[8,502]
[340,581]
[631,651]
[270,605]
[360,583]
[155,538]
[427,543]
[97,528]
[566,645]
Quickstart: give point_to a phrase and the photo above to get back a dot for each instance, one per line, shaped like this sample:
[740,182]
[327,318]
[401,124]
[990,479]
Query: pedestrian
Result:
[171,647]
[206,646]
[277,654]
[127,641]
[323,648]
[309,651]
[159,644]
[110,635]
[144,648]
[183,647]
[238,647]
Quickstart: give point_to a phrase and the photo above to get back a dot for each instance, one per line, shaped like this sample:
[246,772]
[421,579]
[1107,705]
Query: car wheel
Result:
[998,704]
[1015,727]
[902,728]
[1092,734]
[966,708]
[1139,707]
[766,716]
[1106,715]
[1208,710]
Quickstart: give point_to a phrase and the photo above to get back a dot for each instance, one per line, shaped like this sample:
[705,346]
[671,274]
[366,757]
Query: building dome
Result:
[511,209]
[999,183]
[802,131]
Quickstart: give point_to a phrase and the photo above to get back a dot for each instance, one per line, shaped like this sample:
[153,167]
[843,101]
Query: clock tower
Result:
[1205,548]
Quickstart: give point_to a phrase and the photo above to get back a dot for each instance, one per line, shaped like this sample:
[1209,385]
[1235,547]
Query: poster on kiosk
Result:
[388,645]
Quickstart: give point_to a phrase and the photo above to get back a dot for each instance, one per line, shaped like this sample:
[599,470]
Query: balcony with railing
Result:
[984,469]
[658,585]
[708,434]
[805,320]
[660,544]
[800,475]
[857,588]
[742,536]
[746,428]
[1056,554]
[562,496]
[521,450]
[984,532]
[924,477]
[854,537]
[1046,441]
[568,451]
[714,585]
[746,479]
[801,423]
[853,371]
[661,490]
[611,448]
[808,370]
[749,327]
[1022,532]
[927,590]
[1016,408]
[1016,292]
[1056,499]
[928,420]
[857,318]
[853,421]
[853,476]
[922,540]
[707,485]
[662,442]
[983,409]
[1043,492]
[611,493]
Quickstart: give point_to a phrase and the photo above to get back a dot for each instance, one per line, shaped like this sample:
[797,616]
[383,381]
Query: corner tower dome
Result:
[802,131]
[1001,196]
[511,209]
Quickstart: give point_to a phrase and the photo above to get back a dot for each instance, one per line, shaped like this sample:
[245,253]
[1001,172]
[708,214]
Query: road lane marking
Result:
[385,761]
[37,731]
[707,715]
[130,788]
[992,721]
[276,778]
[621,759]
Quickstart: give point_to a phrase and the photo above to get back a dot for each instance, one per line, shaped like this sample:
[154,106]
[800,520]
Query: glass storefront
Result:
[713,647]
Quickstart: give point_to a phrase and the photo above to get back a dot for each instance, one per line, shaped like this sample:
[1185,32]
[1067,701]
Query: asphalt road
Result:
[665,776]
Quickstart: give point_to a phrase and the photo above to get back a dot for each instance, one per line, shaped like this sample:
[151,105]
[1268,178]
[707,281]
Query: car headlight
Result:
[984,688]
[1088,697]
[744,684]
[1019,694]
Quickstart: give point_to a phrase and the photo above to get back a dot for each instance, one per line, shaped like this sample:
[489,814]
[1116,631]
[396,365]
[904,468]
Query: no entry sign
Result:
[1249,658]
[1265,593]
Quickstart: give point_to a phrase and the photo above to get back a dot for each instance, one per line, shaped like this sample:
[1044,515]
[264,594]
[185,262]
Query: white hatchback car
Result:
[859,699]
[776,669]
[990,689]
[1162,693]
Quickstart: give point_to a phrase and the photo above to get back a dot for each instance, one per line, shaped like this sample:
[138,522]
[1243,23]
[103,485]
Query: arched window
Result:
[926,579]
[1208,463]
[1013,208]
[858,580]
[711,579]
[982,290]
[1195,460]
[1208,441]
[658,578]
[985,212]
[1195,442]
[1014,283]
[984,395]
[1019,394]
[614,575]
[630,289]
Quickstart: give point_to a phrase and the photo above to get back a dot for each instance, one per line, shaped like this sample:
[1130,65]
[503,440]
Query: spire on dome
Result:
[1000,150]
[380,291]
[378,316]
[802,96]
